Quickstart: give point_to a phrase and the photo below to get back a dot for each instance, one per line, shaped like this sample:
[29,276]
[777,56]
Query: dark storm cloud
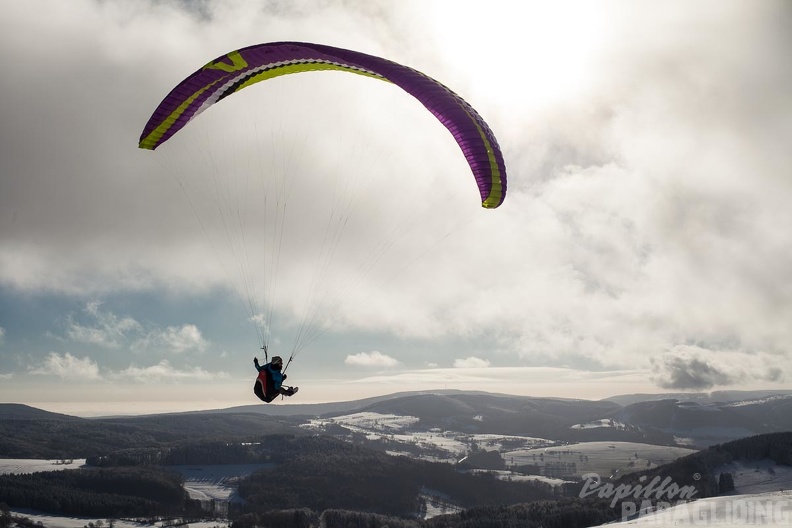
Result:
[685,372]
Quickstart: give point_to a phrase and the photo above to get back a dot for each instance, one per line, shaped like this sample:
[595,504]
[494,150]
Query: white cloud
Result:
[7,376]
[370,359]
[175,339]
[67,366]
[2,335]
[108,330]
[164,371]
[471,362]
[70,367]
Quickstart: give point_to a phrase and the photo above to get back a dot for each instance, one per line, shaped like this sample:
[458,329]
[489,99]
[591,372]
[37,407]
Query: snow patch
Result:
[58,521]
[21,466]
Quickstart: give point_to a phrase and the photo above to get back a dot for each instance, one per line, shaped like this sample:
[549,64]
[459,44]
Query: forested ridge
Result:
[332,474]
[98,492]
[313,480]
[52,436]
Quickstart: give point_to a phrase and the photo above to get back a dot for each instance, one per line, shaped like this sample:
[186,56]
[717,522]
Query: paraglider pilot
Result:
[269,383]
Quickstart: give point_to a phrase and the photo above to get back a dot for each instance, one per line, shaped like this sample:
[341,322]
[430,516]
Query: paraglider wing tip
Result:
[493,201]
[147,144]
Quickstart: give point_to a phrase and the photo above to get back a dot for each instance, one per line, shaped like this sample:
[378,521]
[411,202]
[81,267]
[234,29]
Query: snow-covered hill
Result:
[763,509]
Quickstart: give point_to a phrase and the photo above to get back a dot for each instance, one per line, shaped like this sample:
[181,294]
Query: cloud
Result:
[70,367]
[471,362]
[108,330]
[686,371]
[370,359]
[647,181]
[698,368]
[67,366]
[7,376]
[175,339]
[2,335]
[164,371]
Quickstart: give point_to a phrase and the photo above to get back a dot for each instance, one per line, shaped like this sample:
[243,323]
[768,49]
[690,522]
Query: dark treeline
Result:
[83,438]
[565,513]
[67,439]
[304,518]
[100,492]
[274,448]
[270,448]
[204,453]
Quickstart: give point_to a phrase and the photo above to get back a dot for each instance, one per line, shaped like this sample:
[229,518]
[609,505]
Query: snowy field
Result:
[517,477]
[215,481]
[758,477]
[437,503]
[603,458]
[394,428]
[599,424]
[19,466]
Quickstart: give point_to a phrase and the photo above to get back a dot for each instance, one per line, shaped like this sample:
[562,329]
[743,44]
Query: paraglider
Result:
[269,383]
[234,71]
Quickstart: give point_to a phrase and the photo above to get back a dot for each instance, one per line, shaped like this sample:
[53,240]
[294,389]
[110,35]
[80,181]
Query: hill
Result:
[700,397]
[18,411]
[496,414]
[26,432]
[694,420]
[704,424]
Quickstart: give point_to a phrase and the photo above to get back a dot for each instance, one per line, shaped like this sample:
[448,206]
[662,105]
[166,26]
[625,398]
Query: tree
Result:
[725,483]
[5,515]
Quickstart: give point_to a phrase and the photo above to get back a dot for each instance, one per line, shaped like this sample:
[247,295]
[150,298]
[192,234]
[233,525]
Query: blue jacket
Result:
[276,376]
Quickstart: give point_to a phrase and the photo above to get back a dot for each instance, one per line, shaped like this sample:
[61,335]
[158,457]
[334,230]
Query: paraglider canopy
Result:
[241,68]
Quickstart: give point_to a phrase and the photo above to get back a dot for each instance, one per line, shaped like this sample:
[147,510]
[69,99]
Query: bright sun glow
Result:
[541,52]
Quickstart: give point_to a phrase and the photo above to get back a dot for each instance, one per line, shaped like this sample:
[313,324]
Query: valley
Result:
[436,454]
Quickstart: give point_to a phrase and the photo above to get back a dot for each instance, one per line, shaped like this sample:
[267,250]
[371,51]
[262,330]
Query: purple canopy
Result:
[238,69]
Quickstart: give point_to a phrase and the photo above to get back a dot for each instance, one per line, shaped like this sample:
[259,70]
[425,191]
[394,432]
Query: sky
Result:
[644,245]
